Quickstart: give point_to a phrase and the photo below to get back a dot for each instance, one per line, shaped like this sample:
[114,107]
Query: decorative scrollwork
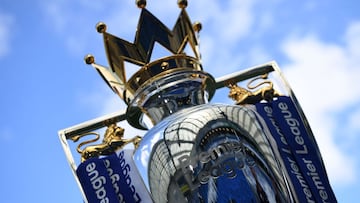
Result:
[245,96]
[112,141]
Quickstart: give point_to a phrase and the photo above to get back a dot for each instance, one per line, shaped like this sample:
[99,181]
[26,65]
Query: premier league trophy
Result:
[260,149]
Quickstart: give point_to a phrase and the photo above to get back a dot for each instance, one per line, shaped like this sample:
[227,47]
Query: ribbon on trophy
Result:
[297,150]
[96,182]
[112,179]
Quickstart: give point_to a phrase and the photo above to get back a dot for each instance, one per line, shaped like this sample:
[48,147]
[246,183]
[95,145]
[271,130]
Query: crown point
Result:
[182,3]
[101,27]
[89,59]
[197,26]
[141,3]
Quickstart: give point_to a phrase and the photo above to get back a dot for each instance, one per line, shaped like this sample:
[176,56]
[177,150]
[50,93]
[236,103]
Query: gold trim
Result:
[159,68]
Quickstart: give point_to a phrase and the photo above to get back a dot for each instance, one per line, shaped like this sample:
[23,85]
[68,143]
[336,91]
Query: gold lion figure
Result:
[244,96]
[113,140]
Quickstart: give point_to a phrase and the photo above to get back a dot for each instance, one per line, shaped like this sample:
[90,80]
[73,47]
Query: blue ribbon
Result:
[298,151]
[107,179]
[296,176]
[119,175]
[96,182]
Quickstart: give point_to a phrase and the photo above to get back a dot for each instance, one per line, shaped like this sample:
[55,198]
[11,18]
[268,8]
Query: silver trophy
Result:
[259,149]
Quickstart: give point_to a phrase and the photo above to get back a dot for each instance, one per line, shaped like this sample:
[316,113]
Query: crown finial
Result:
[89,59]
[197,26]
[141,3]
[101,27]
[182,3]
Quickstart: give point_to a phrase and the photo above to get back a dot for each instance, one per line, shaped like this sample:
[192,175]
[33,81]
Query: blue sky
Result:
[46,86]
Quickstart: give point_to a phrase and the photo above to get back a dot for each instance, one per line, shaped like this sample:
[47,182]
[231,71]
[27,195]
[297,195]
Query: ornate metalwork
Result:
[192,151]
[113,140]
[150,30]
[244,96]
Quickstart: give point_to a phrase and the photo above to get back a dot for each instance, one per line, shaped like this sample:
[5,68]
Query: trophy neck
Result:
[173,92]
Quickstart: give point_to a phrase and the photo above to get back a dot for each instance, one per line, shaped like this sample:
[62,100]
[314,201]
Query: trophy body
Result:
[210,153]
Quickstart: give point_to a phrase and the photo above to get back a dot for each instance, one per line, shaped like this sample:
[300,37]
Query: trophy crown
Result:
[150,30]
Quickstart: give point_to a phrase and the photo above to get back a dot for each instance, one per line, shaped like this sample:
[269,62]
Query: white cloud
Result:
[56,15]
[354,121]
[234,22]
[352,38]
[225,24]
[323,77]
[6,22]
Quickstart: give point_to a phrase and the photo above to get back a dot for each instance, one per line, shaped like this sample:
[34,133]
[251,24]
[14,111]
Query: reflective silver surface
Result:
[165,95]
[210,153]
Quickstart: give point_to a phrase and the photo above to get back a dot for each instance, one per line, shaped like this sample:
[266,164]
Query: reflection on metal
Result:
[207,145]
[113,140]
[192,150]
[244,96]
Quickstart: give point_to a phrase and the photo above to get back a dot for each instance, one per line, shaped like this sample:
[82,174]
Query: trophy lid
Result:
[153,76]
